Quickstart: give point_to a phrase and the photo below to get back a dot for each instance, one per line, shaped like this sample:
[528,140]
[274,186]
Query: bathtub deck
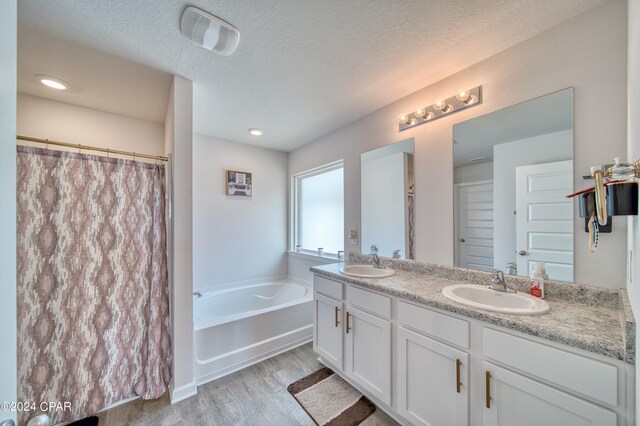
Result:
[256,395]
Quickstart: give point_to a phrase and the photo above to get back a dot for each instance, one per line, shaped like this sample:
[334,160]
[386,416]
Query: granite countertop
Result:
[604,328]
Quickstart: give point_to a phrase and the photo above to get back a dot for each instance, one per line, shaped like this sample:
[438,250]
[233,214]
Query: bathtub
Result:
[245,324]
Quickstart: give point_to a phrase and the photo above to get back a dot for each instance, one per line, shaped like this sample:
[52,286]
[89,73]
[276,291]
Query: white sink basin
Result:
[366,271]
[481,297]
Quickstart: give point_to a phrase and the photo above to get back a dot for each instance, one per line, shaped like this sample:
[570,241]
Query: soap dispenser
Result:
[537,279]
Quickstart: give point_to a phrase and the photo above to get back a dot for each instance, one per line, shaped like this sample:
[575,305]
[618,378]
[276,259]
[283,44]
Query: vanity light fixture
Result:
[255,132]
[52,82]
[463,99]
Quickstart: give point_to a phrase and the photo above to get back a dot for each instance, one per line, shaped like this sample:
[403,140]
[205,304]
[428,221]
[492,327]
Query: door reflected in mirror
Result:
[512,171]
[386,190]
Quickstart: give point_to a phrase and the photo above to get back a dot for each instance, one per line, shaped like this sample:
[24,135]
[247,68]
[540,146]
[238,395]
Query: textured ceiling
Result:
[302,69]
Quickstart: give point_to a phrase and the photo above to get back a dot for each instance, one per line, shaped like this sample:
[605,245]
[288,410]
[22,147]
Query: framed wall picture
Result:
[239,183]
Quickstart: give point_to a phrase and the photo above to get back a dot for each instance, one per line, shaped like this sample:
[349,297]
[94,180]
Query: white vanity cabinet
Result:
[431,367]
[356,339]
[432,376]
[368,342]
[513,399]
[327,330]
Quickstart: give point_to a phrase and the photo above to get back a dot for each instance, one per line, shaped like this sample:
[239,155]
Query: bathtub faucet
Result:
[197,293]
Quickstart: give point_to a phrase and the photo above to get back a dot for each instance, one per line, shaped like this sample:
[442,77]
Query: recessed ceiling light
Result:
[53,82]
[256,132]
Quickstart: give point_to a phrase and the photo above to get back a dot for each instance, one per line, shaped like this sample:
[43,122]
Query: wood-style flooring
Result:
[256,395]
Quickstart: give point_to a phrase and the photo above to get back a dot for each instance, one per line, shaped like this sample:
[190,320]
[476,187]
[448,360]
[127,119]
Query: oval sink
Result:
[481,297]
[366,271]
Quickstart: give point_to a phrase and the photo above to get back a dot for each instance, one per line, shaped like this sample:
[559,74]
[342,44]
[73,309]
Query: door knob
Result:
[522,253]
[462,240]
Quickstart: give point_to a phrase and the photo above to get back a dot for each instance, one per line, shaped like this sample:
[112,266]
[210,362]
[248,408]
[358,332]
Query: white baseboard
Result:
[183,392]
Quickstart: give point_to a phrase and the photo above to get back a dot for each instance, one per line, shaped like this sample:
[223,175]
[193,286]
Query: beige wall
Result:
[237,238]
[47,119]
[8,11]
[587,53]
[178,143]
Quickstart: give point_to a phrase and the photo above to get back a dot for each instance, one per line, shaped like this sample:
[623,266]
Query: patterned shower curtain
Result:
[93,299]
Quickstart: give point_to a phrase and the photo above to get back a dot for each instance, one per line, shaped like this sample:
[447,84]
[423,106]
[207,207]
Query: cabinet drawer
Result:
[444,327]
[572,371]
[327,287]
[372,302]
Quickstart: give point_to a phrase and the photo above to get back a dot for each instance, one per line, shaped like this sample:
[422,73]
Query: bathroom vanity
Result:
[427,360]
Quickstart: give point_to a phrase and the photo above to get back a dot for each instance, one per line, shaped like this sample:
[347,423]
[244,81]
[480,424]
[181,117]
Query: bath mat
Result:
[329,400]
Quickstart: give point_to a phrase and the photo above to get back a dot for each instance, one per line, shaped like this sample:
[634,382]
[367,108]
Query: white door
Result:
[474,226]
[544,219]
[433,381]
[368,352]
[327,329]
[517,400]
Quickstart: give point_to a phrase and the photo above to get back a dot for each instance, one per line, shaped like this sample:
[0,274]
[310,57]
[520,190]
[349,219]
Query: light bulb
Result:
[463,94]
[413,121]
[440,104]
[471,100]
[420,112]
[404,118]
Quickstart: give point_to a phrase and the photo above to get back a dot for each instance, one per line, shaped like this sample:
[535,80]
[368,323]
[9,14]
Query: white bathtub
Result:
[246,324]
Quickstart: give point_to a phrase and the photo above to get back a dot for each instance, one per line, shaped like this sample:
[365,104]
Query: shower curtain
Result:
[93,298]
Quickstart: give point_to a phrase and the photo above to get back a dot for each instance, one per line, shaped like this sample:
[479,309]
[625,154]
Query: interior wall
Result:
[633,147]
[507,156]
[237,238]
[8,354]
[178,143]
[473,173]
[47,119]
[587,52]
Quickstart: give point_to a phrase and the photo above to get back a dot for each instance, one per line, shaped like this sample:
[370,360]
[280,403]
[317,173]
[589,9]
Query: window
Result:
[319,209]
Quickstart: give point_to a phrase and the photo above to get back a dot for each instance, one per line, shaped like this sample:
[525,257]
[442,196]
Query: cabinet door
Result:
[327,329]
[513,399]
[433,381]
[368,352]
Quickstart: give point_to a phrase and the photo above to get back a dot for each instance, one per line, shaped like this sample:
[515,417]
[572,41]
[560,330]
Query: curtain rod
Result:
[92,148]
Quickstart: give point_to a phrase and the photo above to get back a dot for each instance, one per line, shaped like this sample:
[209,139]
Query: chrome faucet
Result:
[197,294]
[498,283]
[396,254]
[374,257]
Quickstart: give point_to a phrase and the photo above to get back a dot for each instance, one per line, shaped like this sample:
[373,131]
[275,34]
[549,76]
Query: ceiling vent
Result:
[209,31]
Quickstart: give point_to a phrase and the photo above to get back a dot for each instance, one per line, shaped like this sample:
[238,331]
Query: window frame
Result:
[295,191]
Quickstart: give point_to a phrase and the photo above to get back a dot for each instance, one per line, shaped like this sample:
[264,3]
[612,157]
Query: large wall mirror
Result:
[512,171]
[387,200]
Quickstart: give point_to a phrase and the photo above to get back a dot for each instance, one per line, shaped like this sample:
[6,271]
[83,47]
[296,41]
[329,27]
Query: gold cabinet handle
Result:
[488,389]
[458,383]
[337,316]
[348,318]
